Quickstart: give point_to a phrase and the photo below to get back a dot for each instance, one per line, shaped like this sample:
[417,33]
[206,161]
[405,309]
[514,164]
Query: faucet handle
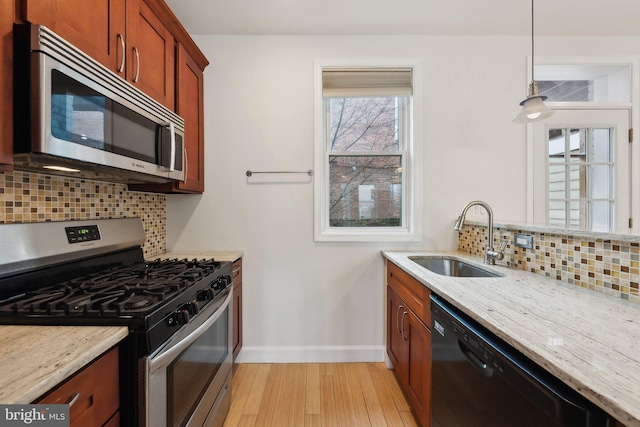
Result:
[503,246]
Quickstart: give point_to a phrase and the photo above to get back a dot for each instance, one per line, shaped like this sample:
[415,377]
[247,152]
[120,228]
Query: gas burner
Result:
[134,302]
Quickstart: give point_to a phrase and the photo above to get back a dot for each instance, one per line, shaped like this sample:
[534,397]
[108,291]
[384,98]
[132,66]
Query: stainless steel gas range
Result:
[176,362]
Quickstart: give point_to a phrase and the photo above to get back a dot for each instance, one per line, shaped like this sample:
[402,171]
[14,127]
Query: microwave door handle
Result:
[172,159]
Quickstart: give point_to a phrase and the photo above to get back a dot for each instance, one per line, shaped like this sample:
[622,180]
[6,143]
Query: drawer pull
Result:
[73,399]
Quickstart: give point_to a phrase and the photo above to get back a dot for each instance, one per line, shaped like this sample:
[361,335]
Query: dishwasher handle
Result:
[484,368]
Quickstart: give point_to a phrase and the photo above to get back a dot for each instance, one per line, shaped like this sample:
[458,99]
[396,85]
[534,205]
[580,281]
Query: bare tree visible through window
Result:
[365,161]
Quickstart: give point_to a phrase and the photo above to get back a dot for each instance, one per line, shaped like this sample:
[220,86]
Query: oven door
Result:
[187,382]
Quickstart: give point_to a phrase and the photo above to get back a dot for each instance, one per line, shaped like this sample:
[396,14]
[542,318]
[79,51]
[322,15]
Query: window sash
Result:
[403,122]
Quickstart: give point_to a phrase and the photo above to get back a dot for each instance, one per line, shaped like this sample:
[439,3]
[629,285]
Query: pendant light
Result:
[533,108]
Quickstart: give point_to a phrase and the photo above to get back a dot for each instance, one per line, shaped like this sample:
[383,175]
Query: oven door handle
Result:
[168,355]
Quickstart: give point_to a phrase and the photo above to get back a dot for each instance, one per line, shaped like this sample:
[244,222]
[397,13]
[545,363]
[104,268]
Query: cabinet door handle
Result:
[397,319]
[135,51]
[402,321]
[124,53]
[73,399]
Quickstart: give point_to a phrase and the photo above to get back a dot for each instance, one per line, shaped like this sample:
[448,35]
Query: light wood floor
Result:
[326,394]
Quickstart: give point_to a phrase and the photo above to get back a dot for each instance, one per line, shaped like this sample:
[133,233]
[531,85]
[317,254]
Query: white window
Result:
[581,173]
[585,156]
[365,183]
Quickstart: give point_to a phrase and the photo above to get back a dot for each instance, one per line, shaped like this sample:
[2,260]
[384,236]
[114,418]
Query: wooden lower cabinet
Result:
[409,349]
[237,307]
[93,393]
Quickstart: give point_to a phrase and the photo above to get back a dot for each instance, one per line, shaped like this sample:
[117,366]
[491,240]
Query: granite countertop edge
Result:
[36,359]
[587,339]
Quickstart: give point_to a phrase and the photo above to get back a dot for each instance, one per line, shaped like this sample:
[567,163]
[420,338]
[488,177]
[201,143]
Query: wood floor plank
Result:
[358,404]
[395,390]
[312,403]
[327,400]
[243,377]
[408,420]
[246,421]
[289,405]
[312,420]
[269,401]
[389,409]
[326,369]
[256,390]
[342,396]
[374,407]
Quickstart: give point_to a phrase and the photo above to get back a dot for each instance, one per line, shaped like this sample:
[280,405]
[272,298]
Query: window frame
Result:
[622,176]
[411,229]
[634,123]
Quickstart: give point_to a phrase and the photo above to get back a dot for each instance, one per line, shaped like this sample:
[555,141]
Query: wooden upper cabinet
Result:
[97,27]
[190,106]
[104,28]
[142,41]
[7,13]
[150,53]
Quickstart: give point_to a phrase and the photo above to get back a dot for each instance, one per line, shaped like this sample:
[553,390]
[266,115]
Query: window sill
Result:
[366,235]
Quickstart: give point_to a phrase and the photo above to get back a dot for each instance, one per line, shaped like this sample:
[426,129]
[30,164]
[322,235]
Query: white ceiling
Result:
[408,17]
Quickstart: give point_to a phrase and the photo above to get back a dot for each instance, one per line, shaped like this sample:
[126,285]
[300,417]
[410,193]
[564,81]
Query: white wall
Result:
[308,301]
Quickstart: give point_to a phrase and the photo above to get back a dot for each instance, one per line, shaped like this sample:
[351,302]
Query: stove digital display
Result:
[82,234]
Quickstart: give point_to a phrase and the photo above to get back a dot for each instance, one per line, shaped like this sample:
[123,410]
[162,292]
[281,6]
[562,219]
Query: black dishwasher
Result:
[479,380]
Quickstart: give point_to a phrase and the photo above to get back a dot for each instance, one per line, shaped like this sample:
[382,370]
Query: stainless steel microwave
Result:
[75,117]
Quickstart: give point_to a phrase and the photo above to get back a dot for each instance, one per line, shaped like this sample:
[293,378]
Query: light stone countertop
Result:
[217,255]
[35,359]
[589,340]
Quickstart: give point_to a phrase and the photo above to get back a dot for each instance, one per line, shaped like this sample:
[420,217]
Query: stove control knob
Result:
[205,295]
[222,283]
[195,307]
[183,316]
[191,308]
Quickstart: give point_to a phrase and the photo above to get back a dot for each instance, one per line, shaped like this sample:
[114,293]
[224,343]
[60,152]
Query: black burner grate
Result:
[133,290]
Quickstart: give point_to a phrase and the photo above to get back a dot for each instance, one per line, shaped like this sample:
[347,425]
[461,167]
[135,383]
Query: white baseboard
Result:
[314,354]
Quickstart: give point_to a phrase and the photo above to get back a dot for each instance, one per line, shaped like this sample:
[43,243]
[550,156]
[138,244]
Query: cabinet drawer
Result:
[414,294]
[94,392]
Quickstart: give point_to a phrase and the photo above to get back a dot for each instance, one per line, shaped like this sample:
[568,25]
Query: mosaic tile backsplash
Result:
[602,265]
[30,197]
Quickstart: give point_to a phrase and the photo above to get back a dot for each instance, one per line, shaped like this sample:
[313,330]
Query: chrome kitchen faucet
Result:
[490,254]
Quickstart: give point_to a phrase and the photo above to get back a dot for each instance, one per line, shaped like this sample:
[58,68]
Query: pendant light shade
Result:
[533,108]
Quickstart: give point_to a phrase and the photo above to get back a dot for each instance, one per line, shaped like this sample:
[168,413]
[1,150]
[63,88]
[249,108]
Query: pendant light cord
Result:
[532,43]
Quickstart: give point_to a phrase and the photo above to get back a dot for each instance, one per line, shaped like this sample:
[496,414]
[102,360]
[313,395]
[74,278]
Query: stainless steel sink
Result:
[452,267]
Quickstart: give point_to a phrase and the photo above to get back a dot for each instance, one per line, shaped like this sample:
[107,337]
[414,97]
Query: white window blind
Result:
[340,83]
